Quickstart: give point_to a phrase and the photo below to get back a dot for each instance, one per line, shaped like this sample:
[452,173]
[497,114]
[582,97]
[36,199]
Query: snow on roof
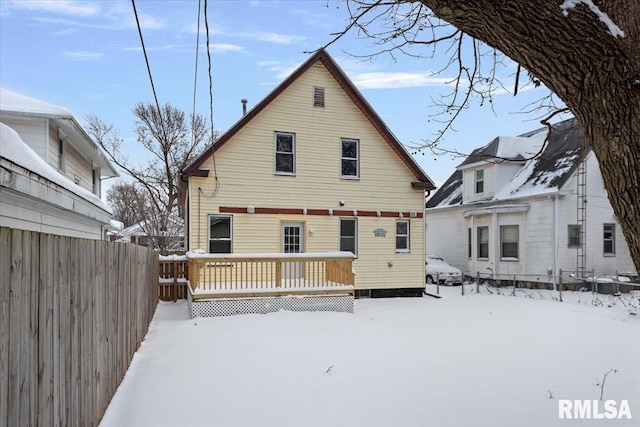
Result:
[16,103]
[14,149]
[543,174]
[12,103]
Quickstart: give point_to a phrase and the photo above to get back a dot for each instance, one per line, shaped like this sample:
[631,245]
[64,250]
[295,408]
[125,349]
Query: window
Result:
[609,239]
[402,235]
[95,181]
[469,247]
[349,159]
[220,236]
[318,97]
[61,152]
[509,241]
[483,242]
[480,181]
[285,153]
[574,235]
[348,233]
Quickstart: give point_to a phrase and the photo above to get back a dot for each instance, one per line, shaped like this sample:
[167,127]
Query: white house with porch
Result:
[506,211]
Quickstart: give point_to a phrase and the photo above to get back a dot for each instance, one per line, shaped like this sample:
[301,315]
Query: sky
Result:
[86,56]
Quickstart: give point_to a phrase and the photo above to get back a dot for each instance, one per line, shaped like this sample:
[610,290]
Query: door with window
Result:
[292,242]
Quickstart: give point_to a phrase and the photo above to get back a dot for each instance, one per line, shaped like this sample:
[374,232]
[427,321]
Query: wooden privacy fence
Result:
[72,314]
[270,274]
[174,273]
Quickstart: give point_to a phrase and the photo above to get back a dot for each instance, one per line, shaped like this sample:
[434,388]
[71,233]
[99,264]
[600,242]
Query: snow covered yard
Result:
[478,360]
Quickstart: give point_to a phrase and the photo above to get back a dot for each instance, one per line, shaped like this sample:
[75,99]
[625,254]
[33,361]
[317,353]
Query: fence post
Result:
[461,287]
[477,282]
[560,284]
[438,283]
[514,286]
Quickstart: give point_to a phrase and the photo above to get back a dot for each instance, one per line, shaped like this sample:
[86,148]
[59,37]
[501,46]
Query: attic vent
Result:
[318,97]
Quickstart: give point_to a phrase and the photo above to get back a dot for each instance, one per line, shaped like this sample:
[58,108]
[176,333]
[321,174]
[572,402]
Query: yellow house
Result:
[313,169]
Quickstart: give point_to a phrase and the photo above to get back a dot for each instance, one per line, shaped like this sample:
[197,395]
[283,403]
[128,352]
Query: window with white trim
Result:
[402,235]
[220,234]
[285,153]
[480,181]
[483,242]
[509,235]
[609,239]
[573,235]
[349,235]
[350,163]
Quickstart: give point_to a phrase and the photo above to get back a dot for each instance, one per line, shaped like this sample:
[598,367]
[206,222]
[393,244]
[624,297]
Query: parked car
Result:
[438,269]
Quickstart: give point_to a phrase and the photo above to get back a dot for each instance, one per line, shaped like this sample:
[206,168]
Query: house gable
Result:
[322,59]
[519,177]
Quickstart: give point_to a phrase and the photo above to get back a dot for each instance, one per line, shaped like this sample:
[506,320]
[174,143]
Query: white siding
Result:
[33,131]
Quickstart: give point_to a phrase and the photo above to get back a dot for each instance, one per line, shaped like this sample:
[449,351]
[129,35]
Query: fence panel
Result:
[72,313]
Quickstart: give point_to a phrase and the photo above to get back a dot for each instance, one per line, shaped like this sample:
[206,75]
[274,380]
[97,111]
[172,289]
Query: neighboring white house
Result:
[170,233]
[51,171]
[503,213]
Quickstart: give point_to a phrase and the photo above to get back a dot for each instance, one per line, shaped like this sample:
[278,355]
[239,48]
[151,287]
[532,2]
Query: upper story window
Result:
[318,97]
[509,235]
[95,181]
[480,181]
[574,235]
[220,234]
[402,235]
[609,239]
[348,235]
[483,242]
[285,153]
[62,154]
[350,163]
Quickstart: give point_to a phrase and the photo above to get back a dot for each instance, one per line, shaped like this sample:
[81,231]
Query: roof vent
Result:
[244,107]
[318,97]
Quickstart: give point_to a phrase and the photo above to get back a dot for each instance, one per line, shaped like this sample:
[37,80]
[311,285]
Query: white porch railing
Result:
[225,275]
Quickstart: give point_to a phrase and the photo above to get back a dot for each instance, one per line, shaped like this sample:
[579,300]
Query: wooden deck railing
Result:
[174,273]
[270,274]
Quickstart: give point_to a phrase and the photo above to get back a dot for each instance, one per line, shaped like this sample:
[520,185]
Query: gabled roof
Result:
[18,105]
[548,172]
[423,181]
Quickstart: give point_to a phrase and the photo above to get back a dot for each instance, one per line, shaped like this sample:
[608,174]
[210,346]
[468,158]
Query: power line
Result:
[195,77]
[206,24]
[144,50]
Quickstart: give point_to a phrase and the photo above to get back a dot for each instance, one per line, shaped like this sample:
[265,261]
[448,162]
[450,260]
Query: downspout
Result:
[554,198]
[473,246]
[496,244]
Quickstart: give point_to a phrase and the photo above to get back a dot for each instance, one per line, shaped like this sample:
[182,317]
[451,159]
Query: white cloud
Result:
[282,70]
[395,80]
[84,56]
[63,7]
[226,47]
[276,38]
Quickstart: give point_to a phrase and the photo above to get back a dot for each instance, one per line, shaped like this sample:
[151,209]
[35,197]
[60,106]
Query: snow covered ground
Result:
[479,360]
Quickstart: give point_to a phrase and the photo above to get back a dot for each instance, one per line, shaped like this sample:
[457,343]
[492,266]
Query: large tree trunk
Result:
[590,69]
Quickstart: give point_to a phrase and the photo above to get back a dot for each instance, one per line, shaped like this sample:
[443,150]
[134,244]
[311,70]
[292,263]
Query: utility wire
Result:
[206,24]
[195,77]
[144,50]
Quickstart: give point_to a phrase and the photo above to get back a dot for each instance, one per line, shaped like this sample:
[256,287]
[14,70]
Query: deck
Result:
[224,284]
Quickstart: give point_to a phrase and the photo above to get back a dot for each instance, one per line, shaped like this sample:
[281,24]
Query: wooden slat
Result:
[72,313]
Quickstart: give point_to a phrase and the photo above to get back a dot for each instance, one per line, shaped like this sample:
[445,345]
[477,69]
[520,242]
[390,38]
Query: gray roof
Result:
[565,148]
